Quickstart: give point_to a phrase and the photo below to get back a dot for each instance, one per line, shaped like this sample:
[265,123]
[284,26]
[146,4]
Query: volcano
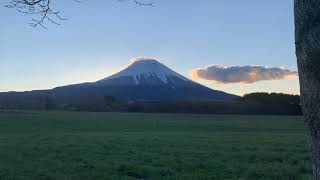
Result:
[146,72]
[145,79]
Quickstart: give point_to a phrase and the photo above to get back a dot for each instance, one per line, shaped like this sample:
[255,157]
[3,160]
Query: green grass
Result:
[79,145]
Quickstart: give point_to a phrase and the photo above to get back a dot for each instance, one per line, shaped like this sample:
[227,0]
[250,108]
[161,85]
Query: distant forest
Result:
[255,103]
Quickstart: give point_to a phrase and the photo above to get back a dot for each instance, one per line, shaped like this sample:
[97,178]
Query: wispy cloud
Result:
[143,58]
[240,74]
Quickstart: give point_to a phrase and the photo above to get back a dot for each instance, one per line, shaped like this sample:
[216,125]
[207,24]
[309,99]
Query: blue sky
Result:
[101,36]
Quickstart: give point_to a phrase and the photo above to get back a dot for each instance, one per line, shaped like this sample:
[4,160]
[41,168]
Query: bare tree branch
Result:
[42,9]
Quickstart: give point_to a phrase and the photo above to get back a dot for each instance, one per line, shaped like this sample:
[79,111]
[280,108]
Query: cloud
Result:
[240,74]
[136,59]
[133,60]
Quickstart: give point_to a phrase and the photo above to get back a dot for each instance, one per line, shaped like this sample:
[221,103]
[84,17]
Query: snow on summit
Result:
[145,68]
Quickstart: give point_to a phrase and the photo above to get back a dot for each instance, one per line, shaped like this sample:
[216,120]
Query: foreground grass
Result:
[77,145]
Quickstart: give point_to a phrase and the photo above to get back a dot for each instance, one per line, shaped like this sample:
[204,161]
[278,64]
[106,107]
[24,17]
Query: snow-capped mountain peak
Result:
[143,79]
[145,68]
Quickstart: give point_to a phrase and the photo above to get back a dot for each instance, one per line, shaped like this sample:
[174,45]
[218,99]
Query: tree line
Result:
[255,103]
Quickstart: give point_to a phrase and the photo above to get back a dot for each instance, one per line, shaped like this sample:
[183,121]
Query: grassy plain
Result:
[82,145]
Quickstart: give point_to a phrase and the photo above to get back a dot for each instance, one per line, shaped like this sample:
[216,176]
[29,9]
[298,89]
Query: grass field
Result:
[79,146]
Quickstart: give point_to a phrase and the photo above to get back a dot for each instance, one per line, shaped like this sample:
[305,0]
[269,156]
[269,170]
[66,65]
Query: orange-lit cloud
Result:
[143,58]
[133,60]
[240,74]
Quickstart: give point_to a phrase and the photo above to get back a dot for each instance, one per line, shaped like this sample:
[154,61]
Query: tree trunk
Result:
[307,34]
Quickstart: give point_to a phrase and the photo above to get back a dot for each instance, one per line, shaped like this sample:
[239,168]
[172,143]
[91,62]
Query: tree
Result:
[307,35]
[49,103]
[44,12]
[109,101]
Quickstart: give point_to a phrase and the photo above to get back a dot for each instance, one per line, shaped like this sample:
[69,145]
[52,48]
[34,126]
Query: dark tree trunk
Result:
[307,34]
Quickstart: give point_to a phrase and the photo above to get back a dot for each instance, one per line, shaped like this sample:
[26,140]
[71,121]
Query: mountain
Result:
[146,79]
[146,72]
[143,80]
